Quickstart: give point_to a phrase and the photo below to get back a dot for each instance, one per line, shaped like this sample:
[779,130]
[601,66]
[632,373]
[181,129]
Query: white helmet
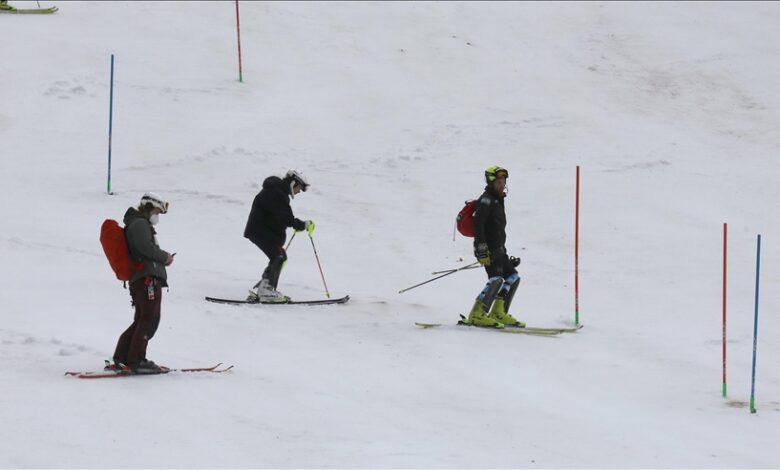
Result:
[297,177]
[156,201]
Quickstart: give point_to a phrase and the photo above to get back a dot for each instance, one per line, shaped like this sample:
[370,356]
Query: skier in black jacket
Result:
[266,227]
[490,250]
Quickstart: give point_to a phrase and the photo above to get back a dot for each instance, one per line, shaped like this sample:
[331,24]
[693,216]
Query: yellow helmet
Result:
[494,172]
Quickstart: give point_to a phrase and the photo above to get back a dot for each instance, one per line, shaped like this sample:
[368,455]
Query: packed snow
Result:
[393,111]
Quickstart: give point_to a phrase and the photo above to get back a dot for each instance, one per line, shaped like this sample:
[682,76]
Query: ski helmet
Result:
[494,172]
[156,201]
[297,177]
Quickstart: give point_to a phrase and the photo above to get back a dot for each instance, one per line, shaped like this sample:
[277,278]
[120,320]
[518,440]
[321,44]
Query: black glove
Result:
[515,261]
[482,253]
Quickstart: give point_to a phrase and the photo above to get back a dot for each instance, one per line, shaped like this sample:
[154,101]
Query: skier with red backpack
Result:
[491,307]
[147,265]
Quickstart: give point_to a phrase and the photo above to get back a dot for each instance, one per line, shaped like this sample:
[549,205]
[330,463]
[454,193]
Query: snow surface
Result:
[393,110]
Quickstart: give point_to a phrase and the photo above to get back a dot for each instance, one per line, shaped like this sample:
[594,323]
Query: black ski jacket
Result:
[490,221]
[271,213]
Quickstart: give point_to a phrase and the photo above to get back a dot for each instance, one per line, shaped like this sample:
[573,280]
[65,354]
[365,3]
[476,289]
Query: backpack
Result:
[112,237]
[465,219]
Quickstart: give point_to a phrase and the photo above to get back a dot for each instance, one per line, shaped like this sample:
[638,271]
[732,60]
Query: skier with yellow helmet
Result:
[491,307]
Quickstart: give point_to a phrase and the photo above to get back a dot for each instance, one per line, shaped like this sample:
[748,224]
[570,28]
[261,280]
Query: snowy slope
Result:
[393,110]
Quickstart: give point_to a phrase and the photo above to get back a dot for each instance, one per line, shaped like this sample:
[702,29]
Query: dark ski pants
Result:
[131,347]
[276,256]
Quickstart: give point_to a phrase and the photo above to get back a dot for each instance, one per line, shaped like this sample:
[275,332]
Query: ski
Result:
[524,331]
[548,331]
[30,11]
[542,329]
[105,374]
[340,300]
[564,329]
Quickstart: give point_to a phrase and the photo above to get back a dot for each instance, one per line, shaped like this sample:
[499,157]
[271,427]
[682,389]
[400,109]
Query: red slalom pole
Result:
[725,232]
[238,33]
[577,253]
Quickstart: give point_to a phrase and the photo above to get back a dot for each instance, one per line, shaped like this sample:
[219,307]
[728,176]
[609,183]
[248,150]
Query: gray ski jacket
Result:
[143,247]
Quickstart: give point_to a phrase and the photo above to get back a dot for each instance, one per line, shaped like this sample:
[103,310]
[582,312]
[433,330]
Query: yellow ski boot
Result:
[479,317]
[499,314]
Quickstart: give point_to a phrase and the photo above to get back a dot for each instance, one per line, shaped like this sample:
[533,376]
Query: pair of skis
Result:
[29,11]
[114,373]
[340,300]
[110,372]
[526,330]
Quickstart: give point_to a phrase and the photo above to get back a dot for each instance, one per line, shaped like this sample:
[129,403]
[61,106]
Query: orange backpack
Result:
[112,237]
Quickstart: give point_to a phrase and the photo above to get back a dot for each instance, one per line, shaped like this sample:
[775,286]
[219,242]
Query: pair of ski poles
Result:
[446,272]
[311,238]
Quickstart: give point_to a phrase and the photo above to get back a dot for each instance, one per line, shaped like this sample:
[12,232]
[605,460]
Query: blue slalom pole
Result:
[110,123]
[755,330]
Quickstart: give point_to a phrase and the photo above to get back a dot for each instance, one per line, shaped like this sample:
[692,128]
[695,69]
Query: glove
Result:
[309,226]
[482,253]
[515,261]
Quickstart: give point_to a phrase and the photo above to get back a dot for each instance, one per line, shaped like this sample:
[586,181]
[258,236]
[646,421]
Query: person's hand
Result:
[169,261]
[482,253]
[515,261]
[309,226]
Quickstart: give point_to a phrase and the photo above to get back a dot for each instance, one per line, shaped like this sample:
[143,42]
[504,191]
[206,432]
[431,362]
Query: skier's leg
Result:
[122,346]
[274,269]
[500,310]
[509,288]
[479,312]
[270,277]
[147,318]
[489,292]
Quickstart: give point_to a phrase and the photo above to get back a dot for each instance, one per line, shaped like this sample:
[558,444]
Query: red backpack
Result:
[465,219]
[112,237]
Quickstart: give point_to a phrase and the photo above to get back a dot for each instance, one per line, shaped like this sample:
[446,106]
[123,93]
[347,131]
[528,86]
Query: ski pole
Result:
[290,242]
[435,278]
[311,238]
[470,266]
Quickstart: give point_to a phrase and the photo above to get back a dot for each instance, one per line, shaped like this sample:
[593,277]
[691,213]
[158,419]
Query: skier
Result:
[266,227]
[145,285]
[490,251]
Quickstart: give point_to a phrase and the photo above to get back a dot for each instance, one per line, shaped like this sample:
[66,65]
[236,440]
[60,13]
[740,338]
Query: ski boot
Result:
[479,317]
[499,314]
[146,366]
[252,297]
[266,293]
[115,366]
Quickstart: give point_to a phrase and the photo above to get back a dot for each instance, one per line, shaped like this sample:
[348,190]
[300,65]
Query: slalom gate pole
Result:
[110,123]
[755,329]
[327,292]
[470,266]
[238,35]
[577,252]
[435,278]
[725,271]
